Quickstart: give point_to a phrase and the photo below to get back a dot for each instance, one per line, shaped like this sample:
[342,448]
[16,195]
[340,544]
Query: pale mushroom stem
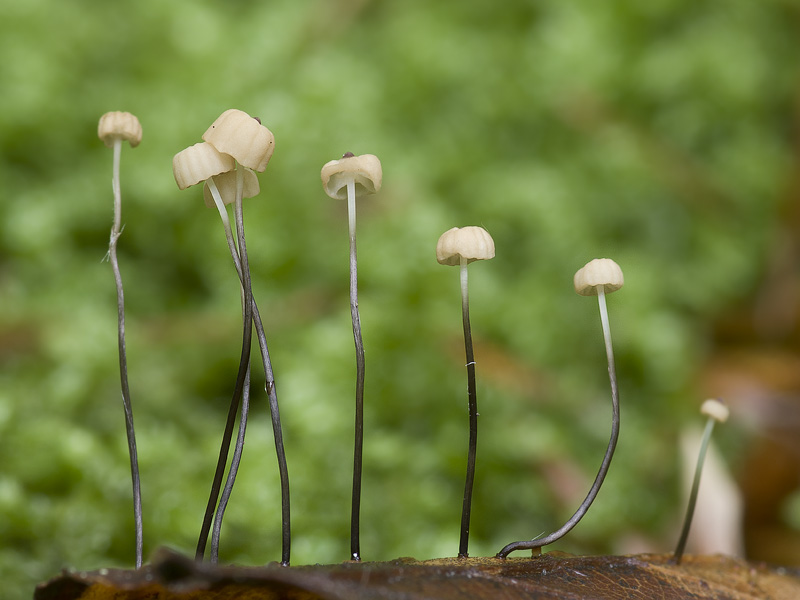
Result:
[123,361]
[269,385]
[612,444]
[226,224]
[473,414]
[355,515]
[687,521]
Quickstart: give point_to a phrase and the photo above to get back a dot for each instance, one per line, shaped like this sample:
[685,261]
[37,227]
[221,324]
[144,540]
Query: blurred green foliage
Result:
[655,133]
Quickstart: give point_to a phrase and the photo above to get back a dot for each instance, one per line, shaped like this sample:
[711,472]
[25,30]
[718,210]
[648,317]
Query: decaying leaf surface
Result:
[554,576]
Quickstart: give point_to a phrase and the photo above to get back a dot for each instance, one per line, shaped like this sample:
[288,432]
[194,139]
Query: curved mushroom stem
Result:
[226,224]
[242,382]
[473,414]
[687,521]
[116,231]
[247,315]
[355,545]
[269,385]
[612,444]
[237,457]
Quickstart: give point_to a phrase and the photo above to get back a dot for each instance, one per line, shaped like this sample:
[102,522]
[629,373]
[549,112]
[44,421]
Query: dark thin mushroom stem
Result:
[247,317]
[612,444]
[244,366]
[269,386]
[234,468]
[473,415]
[116,231]
[225,445]
[355,514]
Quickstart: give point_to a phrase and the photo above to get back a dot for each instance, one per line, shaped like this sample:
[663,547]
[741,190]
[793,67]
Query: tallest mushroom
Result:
[236,145]
[349,177]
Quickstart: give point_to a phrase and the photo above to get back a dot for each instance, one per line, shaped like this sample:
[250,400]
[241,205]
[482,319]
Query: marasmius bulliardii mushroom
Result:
[243,144]
[114,128]
[347,178]
[598,277]
[461,247]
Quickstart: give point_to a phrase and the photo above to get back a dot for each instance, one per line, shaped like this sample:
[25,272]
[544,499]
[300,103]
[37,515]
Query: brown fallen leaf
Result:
[553,576]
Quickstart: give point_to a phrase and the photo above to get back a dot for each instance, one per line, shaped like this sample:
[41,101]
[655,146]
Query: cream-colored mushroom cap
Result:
[198,163]
[598,272]
[226,184]
[243,137]
[119,125]
[473,243]
[365,170]
[716,409]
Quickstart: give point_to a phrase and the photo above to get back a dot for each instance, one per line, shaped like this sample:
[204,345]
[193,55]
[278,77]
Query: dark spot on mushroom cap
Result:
[257,119]
[348,155]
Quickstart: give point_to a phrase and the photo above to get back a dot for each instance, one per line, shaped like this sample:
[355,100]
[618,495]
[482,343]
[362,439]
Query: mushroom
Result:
[349,177]
[598,277]
[461,247]
[717,412]
[117,126]
[235,144]
[114,128]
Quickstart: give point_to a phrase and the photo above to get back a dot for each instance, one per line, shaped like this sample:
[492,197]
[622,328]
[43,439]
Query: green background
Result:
[660,134]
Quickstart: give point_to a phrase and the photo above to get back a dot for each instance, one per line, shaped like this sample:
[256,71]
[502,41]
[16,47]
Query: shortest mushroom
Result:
[716,411]
[598,277]
[461,247]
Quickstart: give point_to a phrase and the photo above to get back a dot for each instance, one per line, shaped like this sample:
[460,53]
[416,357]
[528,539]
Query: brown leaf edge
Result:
[172,576]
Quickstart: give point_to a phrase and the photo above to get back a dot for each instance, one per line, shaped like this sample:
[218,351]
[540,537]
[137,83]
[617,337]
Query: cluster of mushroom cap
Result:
[234,137]
[118,125]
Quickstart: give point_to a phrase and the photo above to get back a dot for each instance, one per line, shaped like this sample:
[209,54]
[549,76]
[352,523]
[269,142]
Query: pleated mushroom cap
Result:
[473,243]
[365,170]
[243,137]
[198,163]
[598,272]
[119,125]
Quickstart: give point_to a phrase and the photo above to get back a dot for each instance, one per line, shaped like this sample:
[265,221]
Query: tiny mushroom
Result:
[717,412]
[347,178]
[461,246]
[114,128]
[122,126]
[598,277]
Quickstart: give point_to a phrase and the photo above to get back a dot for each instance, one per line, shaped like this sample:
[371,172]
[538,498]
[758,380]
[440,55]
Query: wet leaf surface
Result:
[172,576]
